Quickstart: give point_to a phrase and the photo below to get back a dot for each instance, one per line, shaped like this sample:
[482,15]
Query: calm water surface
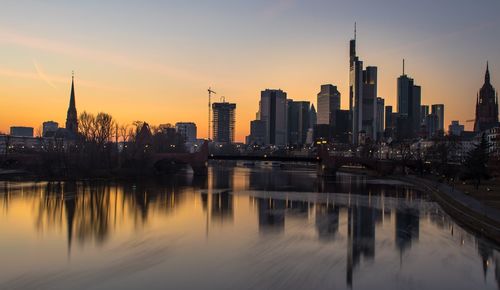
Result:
[238,228]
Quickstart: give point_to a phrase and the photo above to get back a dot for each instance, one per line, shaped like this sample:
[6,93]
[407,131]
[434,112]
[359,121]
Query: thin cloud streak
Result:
[55,79]
[42,74]
[99,56]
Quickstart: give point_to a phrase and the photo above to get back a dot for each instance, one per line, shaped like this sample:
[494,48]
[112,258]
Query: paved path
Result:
[465,208]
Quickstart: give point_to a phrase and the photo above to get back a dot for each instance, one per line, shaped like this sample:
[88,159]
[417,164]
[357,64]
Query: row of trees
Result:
[443,158]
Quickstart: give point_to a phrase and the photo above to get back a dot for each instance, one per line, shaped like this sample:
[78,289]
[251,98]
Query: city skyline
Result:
[134,82]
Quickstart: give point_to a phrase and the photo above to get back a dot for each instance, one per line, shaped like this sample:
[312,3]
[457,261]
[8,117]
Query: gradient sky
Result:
[154,60]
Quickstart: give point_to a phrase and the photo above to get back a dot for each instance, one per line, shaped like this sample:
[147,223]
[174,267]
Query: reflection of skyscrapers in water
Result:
[221,199]
[222,177]
[360,237]
[271,214]
[222,206]
[407,227]
[327,220]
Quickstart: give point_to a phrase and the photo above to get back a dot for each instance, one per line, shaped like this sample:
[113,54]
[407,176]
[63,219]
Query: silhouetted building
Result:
[389,122]
[342,126]
[322,132]
[455,128]
[486,105]
[432,125]
[409,98]
[380,117]
[403,128]
[187,130]
[223,122]
[19,131]
[362,96]
[49,128]
[438,110]
[273,112]
[424,111]
[370,102]
[298,122]
[328,104]
[257,133]
[72,116]
[313,117]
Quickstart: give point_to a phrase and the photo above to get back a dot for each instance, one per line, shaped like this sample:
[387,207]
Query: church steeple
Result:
[487,105]
[72,94]
[71,119]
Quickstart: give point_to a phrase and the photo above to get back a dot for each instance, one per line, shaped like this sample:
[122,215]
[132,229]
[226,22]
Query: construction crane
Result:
[210,92]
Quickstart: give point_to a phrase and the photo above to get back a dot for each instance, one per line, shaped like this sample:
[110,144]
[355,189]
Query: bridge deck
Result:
[265,158]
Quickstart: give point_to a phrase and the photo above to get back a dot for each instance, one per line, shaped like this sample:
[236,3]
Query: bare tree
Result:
[86,126]
[123,132]
[39,132]
[104,127]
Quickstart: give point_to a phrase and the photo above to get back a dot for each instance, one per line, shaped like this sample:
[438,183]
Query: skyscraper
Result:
[313,117]
[486,105]
[298,122]
[328,104]
[362,96]
[389,123]
[409,99]
[355,90]
[72,117]
[424,111]
[380,117]
[370,102]
[438,110]
[223,122]
[273,112]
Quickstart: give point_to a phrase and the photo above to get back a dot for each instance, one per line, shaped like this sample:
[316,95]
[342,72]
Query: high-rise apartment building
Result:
[223,122]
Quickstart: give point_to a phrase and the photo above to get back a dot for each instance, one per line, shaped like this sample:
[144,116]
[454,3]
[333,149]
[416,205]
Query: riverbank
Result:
[465,209]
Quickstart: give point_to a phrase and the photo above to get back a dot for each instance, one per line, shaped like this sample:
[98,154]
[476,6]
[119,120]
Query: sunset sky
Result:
[154,60]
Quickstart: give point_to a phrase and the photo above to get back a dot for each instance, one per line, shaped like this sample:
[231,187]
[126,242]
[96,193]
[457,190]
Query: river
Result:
[237,228]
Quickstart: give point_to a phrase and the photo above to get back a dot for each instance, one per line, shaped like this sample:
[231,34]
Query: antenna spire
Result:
[403,66]
[355,30]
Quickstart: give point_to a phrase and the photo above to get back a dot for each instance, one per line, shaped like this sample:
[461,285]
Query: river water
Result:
[237,228]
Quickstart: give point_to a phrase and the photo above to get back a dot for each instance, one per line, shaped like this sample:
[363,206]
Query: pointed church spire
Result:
[72,117]
[72,95]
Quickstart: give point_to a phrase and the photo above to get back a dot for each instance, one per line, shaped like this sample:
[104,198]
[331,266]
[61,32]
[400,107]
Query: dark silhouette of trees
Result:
[476,164]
